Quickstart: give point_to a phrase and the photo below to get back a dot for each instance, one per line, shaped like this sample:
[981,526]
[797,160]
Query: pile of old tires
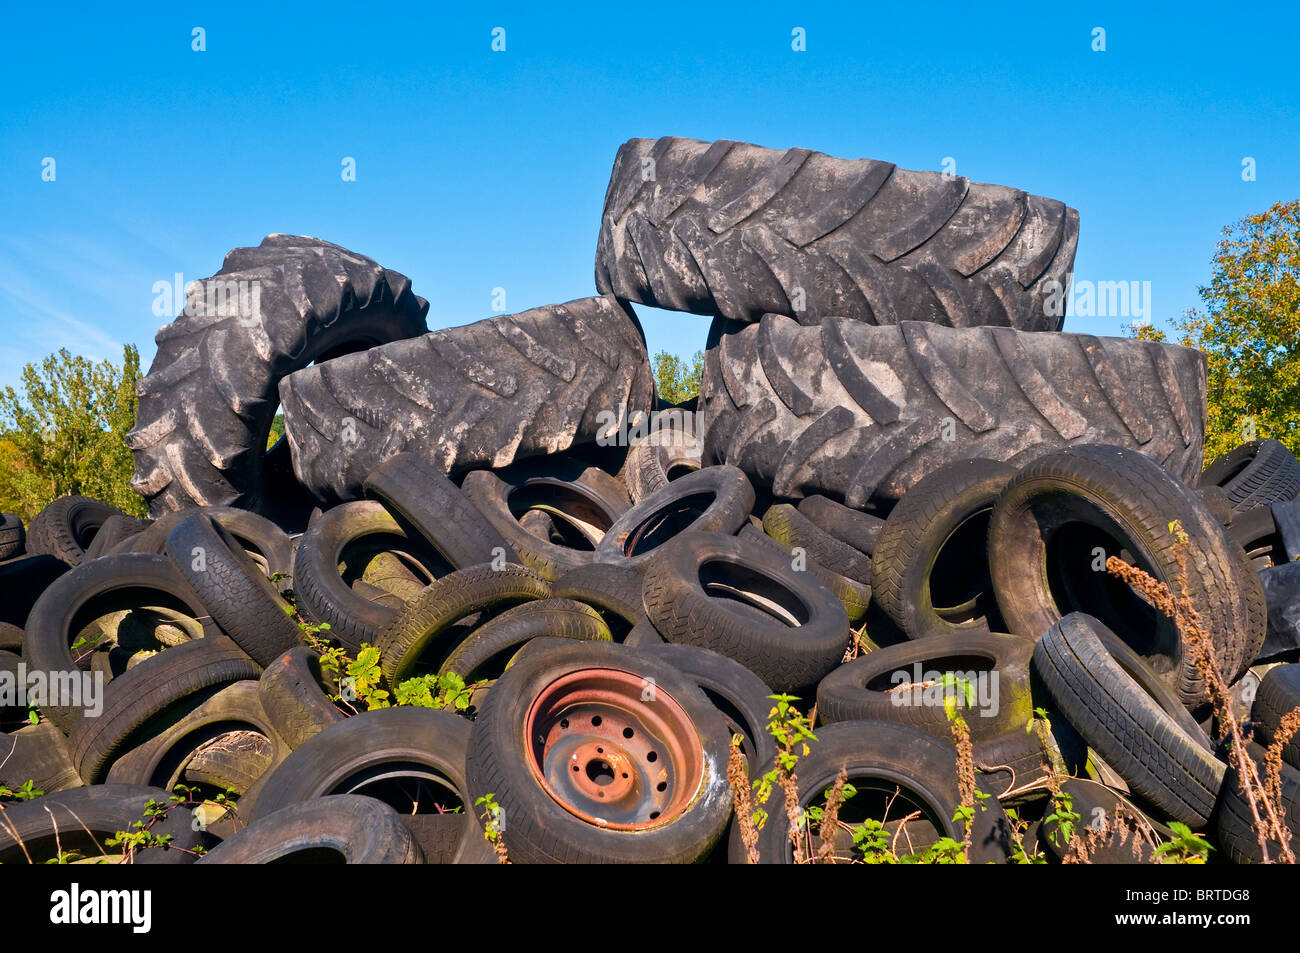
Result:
[898,469]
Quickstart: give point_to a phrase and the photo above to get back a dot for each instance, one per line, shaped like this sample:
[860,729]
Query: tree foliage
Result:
[675,379]
[1249,329]
[65,433]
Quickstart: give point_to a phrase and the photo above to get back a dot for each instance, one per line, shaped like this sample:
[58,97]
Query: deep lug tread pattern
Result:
[208,399]
[888,404]
[481,395]
[733,229]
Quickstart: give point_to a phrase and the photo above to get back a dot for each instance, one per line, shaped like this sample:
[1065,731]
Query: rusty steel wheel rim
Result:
[614,749]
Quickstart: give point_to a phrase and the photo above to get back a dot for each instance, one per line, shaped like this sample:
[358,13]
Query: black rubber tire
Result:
[668,452]
[266,543]
[143,701]
[866,689]
[537,828]
[699,593]
[853,596]
[209,399]
[22,583]
[420,494]
[439,835]
[233,761]
[1059,510]
[936,540]
[422,625]
[1094,803]
[344,757]
[12,714]
[488,649]
[164,759]
[325,596]
[67,527]
[244,603]
[643,634]
[103,810]
[480,395]
[293,697]
[737,230]
[614,590]
[115,531]
[582,501]
[1124,711]
[711,500]
[11,638]
[1217,502]
[895,755]
[741,696]
[13,537]
[1255,474]
[121,581]
[1277,696]
[358,829]
[787,525]
[1256,532]
[854,527]
[1234,827]
[862,413]
[40,754]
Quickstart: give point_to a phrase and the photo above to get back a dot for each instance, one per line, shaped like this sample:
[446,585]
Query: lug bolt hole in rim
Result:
[612,753]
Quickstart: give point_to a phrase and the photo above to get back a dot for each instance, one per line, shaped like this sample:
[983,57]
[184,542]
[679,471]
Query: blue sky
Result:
[478,169]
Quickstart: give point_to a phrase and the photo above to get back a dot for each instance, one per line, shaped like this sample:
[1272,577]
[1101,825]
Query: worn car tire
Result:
[81,819]
[134,701]
[538,829]
[853,527]
[929,572]
[13,537]
[741,696]
[365,748]
[711,500]
[360,829]
[1124,711]
[579,499]
[1277,696]
[122,581]
[1234,825]
[66,528]
[853,596]
[874,755]
[614,590]
[744,601]
[166,758]
[420,628]
[1053,518]
[415,491]
[325,595]
[293,698]
[244,602]
[872,686]
[1255,474]
[668,452]
[487,650]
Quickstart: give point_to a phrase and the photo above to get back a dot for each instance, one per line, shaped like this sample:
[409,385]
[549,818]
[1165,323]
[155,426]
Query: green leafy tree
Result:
[675,379]
[65,433]
[277,431]
[1249,329]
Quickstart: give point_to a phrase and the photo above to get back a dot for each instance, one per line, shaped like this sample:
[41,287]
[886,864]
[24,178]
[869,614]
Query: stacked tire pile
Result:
[898,469]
